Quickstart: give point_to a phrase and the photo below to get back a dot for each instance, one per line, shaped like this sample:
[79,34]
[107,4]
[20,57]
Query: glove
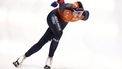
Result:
[54,4]
[86,15]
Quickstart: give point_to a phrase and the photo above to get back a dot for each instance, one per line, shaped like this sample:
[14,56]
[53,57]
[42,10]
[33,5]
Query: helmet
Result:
[77,4]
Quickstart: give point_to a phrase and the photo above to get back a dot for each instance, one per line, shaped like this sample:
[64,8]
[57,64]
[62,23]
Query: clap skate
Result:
[16,63]
[47,67]
[19,61]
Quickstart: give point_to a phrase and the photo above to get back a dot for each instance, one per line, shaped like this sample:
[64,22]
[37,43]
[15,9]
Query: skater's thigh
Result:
[55,28]
[48,35]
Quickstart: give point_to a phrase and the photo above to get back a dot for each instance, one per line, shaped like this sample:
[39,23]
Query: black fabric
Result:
[46,37]
[86,15]
[52,33]
[80,5]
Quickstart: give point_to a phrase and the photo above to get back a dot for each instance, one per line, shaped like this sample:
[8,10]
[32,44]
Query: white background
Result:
[92,44]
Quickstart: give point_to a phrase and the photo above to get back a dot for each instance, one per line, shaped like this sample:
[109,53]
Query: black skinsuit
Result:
[54,33]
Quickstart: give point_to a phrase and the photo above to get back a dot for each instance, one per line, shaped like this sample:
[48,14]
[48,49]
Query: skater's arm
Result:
[60,1]
[61,5]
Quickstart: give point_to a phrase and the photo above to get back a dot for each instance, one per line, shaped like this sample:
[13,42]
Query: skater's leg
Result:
[53,46]
[52,50]
[46,37]
[19,61]
[55,27]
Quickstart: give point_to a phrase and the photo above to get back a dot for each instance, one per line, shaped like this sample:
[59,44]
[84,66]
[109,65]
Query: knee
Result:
[55,39]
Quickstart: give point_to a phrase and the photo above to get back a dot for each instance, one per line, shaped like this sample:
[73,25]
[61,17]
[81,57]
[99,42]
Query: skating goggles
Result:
[78,11]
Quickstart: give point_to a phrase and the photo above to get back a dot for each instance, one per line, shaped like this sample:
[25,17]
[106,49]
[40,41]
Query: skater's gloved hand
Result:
[86,15]
[54,4]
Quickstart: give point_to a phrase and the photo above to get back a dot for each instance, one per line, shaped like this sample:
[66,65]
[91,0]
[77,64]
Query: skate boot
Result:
[19,61]
[47,67]
[16,63]
[48,63]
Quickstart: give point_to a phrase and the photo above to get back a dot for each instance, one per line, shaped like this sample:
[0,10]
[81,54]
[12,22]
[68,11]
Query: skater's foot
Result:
[47,67]
[16,63]
[19,61]
[48,63]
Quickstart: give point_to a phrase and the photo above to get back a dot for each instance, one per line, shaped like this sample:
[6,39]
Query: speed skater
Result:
[57,20]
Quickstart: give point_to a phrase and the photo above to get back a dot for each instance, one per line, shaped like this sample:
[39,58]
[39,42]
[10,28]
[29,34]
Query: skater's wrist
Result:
[60,1]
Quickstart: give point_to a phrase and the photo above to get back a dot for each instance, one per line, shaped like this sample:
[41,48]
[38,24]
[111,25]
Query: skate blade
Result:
[16,64]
